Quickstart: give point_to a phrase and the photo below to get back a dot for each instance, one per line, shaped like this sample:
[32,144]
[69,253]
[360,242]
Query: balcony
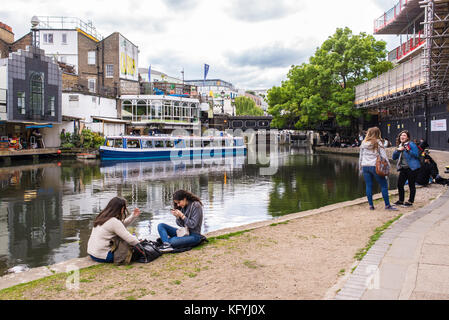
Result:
[407,49]
[395,20]
[403,79]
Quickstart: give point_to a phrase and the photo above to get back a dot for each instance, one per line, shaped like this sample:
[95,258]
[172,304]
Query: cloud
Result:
[181,4]
[261,10]
[272,56]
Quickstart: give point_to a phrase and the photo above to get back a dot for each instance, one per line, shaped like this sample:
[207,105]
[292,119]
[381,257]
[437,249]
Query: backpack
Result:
[145,251]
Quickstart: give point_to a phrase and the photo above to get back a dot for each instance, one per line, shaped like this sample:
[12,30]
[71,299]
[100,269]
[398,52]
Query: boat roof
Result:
[172,137]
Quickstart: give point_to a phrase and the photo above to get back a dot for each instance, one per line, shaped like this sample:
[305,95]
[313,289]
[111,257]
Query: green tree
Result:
[245,106]
[324,87]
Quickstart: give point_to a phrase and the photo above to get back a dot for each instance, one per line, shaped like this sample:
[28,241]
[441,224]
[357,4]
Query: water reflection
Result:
[46,210]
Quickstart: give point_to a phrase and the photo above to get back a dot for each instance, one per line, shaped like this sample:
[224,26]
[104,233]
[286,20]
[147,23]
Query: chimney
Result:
[6,33]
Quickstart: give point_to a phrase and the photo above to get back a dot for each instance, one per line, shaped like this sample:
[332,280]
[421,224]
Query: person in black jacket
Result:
[427,172]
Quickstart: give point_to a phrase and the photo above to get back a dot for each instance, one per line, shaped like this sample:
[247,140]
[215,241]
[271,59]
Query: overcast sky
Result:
[251,43]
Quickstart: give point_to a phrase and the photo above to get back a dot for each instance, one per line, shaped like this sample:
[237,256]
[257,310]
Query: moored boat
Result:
[162,148]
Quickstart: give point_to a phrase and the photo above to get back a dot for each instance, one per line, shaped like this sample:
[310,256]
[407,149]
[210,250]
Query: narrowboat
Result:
[163,148]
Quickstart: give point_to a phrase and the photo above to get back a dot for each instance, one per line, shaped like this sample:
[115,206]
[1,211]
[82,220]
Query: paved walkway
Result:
[409,261]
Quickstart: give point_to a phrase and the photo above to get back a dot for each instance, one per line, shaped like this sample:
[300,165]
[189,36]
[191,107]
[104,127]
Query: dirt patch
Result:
[298,259]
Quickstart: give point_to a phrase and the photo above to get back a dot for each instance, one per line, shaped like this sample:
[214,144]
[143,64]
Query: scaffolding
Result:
[425,75]
[53,22]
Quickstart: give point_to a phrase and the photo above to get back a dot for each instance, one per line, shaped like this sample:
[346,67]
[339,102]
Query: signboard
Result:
[129,58]
[438,125]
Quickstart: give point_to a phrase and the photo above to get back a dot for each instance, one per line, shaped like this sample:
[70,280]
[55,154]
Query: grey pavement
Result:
[409,261]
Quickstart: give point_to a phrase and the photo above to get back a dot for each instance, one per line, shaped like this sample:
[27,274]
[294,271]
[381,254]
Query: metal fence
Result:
[405,76]
[51,22]
[389,16]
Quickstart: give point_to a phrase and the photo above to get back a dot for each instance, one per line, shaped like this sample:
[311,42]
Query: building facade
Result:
[31,86]
[221,93]
[414,95]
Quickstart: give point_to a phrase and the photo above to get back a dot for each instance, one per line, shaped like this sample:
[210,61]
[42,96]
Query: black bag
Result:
[145,251]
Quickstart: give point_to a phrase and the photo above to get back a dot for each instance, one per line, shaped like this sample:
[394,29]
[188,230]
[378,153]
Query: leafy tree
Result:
[324,87]
[245,106]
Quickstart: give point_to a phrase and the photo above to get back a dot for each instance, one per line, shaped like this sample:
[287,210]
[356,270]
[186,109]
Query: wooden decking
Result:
[27,152]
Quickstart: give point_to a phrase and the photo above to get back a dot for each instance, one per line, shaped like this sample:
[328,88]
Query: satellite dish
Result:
[34,21]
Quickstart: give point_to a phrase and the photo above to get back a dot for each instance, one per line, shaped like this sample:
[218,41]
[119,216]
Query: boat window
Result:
[169,144]
[109,142]
[180,143]
[238,142]
[158,143]
[147,144]
[197,143]
[206,143]
[133,144]
[118,143]
[229,142]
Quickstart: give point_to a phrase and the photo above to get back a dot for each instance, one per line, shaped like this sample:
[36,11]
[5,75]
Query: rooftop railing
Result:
[405,76]
[50,22]
[389,16]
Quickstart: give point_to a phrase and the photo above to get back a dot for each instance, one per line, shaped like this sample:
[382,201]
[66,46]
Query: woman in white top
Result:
[111,222]
[370,148]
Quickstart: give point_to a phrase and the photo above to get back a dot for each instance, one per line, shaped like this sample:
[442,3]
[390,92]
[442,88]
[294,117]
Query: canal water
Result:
[47,209]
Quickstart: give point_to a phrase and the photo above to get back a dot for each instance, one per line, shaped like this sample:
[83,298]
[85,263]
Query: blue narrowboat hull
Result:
[164,155]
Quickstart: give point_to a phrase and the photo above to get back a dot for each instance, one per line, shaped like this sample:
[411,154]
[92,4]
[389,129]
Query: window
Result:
[21,102]
[63,59]
[64,38]
[109,71]
[147,144]
[48,38]
[169,144]
[91,84]
[133,144]
[158,143]
[51,102]
[91,57]
[37,94]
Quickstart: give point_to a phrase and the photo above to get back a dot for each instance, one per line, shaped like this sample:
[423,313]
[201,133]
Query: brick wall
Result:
[69,81]
[86,71]
[22,43]
[110,52]
[6,35]
[4,49]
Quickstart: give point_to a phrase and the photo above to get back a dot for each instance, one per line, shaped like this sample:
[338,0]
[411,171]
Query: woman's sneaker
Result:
[407,204]
[371,207]
[390,207]
[166,247]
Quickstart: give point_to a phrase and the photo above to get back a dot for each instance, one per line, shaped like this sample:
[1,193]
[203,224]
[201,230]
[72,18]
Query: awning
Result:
[36,126]
[111,120]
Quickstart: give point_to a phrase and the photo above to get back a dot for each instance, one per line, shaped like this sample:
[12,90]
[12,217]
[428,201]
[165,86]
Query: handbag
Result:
[145,251]
[181,232]
[382,166]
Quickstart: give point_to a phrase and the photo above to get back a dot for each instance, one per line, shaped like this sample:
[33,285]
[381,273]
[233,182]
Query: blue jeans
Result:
[369,173]
[168,234]
[109,258]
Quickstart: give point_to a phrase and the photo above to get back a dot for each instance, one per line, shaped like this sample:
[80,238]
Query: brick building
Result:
[7,43]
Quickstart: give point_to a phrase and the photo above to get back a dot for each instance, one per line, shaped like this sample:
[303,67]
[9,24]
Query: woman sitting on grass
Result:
[110,223]
[188,210]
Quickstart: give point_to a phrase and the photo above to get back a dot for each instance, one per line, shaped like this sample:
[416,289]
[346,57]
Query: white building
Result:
[157,76]
[222,92]
[59,37]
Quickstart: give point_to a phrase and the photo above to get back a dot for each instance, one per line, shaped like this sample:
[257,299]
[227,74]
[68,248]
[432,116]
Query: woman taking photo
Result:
[407,154]
[111,222]
[188,210]
[370,148]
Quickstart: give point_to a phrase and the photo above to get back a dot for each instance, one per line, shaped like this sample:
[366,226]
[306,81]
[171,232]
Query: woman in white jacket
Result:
[111,222]
[370,148]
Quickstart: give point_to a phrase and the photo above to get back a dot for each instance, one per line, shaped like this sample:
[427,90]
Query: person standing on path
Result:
[407,154]
[371,147]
